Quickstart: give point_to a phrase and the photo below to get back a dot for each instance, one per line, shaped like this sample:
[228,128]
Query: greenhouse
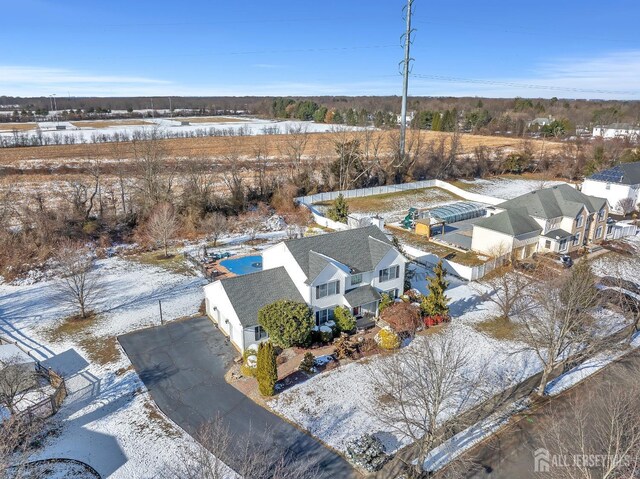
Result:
[455,212]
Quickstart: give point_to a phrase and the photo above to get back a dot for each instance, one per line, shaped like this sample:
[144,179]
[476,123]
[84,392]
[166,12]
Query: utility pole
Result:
[405,81]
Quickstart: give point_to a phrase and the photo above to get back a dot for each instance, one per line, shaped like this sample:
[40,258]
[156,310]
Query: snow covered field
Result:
[109,420]
[170,128]
[506,188]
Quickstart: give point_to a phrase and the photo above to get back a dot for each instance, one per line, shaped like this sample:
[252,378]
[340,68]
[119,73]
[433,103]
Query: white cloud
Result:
[610,76]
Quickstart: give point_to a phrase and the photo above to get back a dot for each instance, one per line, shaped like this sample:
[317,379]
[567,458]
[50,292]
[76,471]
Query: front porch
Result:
[364,303]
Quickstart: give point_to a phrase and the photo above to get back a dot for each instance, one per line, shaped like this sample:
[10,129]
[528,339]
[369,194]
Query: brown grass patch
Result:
[498,328]
[321,144]
[101,351]
[468,258]
[175,262]
[108,123]
[210,119]
[390,201]
[17,126]
[154,414]
[71,327]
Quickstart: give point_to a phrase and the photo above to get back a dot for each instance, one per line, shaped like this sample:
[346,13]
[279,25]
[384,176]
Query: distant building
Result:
[617,130]
[540,122]
[615,184]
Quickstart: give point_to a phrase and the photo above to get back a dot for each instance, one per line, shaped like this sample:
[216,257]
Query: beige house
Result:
[559,219]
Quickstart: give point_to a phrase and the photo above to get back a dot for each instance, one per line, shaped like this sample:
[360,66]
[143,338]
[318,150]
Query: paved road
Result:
[510,454]
[183,364]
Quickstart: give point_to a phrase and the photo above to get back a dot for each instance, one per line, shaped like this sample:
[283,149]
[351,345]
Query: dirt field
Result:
[108,123]
[319,144]
[17,126]
[209,119]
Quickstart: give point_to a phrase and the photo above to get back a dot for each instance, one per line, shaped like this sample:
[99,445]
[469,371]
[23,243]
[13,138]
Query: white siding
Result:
[490,242]
[221,312]
[390,259]
[329,274]
[613,192]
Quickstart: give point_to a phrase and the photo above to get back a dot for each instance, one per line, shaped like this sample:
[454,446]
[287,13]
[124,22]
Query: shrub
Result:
[385,302]
[367,452]
[436,302]
[402,317]
[307,365]
[339,211]
[267,370]
[323,334]
[345,320]
[368,345]
[288,323]
[388,339]
[249,363]
[346,348]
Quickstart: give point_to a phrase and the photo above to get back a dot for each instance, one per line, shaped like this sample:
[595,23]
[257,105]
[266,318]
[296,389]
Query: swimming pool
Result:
[243,265]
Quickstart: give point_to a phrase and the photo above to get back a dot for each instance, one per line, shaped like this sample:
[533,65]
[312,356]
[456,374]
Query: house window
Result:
[599,232]
[327,289]
[576,240]
[563,245]
[323,316]
[547,244]
[356,279]
[609,229]
[392,293]
[389,273]
[259,333]
[579,220]
[601,214]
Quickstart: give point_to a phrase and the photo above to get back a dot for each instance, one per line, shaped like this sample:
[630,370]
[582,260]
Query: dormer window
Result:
[356,279]
[579,221]
[601,214]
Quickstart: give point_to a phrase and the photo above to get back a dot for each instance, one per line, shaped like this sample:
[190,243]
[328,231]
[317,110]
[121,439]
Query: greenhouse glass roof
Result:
[457,212]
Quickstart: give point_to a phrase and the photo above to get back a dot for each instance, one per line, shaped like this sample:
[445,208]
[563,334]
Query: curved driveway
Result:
[183,364]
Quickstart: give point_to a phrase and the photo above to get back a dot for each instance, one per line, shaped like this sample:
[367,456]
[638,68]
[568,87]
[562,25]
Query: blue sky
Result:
[568,49]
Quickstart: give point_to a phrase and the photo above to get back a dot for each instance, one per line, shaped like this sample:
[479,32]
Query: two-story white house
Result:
[616,185]
[349,268]
[617,130]
[558,219]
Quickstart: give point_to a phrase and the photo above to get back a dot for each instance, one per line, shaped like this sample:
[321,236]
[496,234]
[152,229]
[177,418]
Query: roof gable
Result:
[557,201]
[250,292]
[512,222]
[359,249]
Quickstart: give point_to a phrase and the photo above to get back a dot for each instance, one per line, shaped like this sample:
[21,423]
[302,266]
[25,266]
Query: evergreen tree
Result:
[340,210]
[337,118]
[267,369]
[320,114]
[436,303]
[436,121]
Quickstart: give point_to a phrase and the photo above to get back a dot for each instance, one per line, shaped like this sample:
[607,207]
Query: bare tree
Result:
[252,455]
[626,205]
[561,327]
[417,386]
[16,445]
[162,225]
[252,221]
[508,290]
[79,284]
[154,174]
[601,423]
[216,224]
[293,147]
[16,379]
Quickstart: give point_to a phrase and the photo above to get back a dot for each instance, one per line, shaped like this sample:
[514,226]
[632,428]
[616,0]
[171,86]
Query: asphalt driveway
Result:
[183,364]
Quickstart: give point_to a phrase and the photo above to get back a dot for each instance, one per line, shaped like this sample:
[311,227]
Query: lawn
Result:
[108,123]
[17,126]
[468,258]
[210,119]
[396,205]
[506,186]
[175,262]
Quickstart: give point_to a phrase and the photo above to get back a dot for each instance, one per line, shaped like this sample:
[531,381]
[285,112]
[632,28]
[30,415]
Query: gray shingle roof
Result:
[360,249]
[362,295]
[513,222]
[624,173]
[558,234]
[250,292]
[554,202]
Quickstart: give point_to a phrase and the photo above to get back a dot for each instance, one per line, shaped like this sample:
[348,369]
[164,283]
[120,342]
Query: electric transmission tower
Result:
[406,69]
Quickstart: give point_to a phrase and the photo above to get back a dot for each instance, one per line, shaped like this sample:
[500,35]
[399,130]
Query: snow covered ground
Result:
[173,129]
[315,406]
[506,188]
[109,420]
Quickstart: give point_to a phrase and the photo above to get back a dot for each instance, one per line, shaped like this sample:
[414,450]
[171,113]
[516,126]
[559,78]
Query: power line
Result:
[529,86]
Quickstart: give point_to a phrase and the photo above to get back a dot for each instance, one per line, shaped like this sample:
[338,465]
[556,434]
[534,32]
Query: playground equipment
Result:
[409,221]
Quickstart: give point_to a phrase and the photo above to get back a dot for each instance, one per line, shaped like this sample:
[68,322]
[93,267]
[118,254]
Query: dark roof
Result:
[362,295]
[558,234]
[625,174]
[250,292]
[360,249]
[554,202]
[513,222]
